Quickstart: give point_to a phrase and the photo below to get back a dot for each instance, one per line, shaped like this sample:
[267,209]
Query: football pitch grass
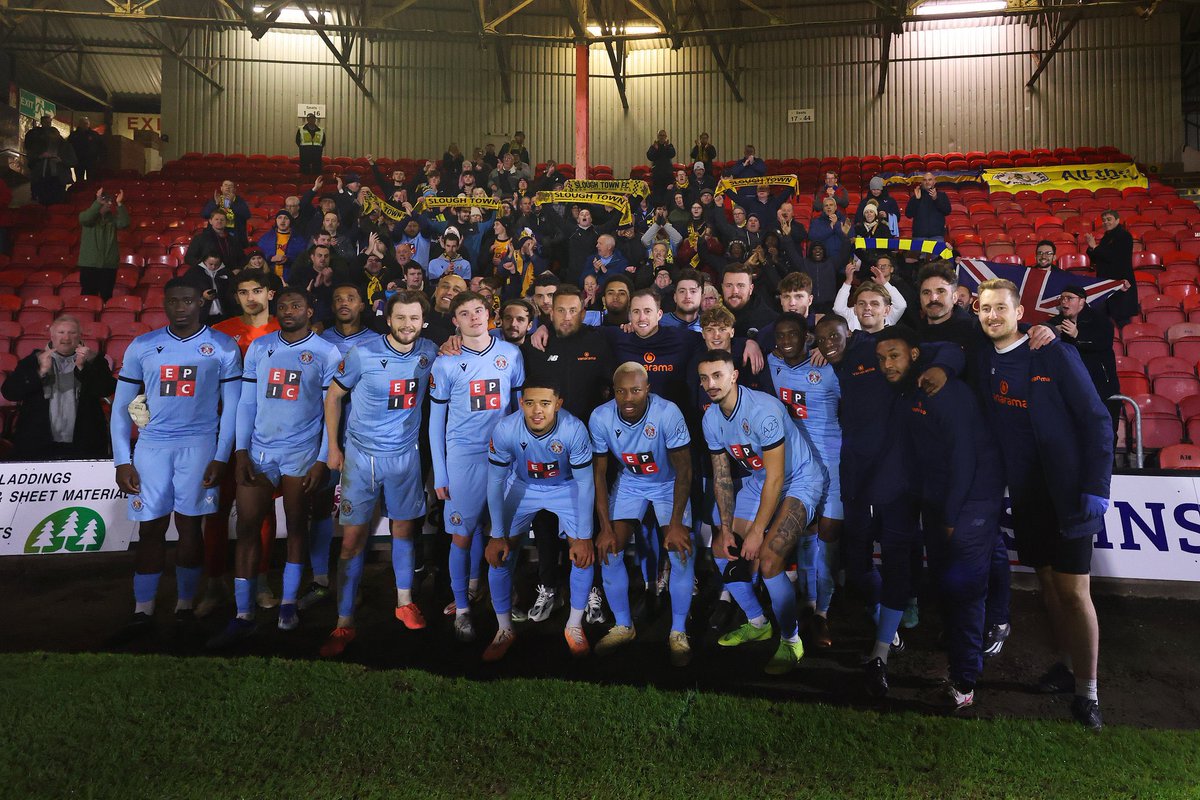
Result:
[122,726]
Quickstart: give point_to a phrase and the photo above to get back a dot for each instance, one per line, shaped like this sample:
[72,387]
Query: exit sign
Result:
[801,114]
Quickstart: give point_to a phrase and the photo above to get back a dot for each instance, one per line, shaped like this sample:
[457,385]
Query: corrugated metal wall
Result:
[950,88]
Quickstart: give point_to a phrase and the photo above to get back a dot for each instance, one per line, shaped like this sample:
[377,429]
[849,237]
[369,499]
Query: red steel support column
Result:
[581,111]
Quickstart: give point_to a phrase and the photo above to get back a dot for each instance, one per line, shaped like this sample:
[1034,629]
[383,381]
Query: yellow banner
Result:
[457,202]
[607,199]
[1065,178]
[631,186]
[766,180]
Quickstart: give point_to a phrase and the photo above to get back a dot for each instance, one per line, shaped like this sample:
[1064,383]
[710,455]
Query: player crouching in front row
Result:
[540,459]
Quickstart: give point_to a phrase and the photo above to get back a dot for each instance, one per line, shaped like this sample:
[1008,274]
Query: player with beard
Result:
[389,376]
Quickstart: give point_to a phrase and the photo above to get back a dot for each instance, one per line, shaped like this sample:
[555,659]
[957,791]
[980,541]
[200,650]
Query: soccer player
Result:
[280,445]
[471,393]
[1055,437]
[389,376]
[878,501]
[539,460]
[961,489]
[349,304]
[254,295]
[185,371]
[764,520]
[811,395]
[649,438]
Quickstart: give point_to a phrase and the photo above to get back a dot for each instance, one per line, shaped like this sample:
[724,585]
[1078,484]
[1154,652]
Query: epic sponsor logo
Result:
[177,381]
[283,384]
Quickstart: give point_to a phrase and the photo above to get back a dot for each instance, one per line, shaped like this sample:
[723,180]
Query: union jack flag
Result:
[1039,288]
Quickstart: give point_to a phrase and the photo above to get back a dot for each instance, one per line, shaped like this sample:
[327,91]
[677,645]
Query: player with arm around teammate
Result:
[540,459]
[280,445]
[185,371]
[763,521]
[649,438]
[388,376]
[961,490]
[471,392]
[811,395]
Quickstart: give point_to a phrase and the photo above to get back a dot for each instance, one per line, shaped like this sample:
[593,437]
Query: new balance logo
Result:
[176,381]
[552,358]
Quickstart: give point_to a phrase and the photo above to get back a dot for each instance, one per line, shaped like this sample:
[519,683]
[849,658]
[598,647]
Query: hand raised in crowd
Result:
[846,227]
[341,184]
[370,159]
[217,195]
[83,354]
[120,198]
[849,271]
[877,276]
[1091,239]
[45,361]
[917,192]
[318,183]
[99,192]
[1069,328]
[933,193]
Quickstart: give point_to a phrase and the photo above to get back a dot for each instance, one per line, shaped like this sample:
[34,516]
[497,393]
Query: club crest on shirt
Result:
[136,504]
[650,431]
[501,362]
[814,377]
[342,367]
[746,427]
[206,349]
[347,508]
[556,447]
[455,518]
[306,357]
[423,362]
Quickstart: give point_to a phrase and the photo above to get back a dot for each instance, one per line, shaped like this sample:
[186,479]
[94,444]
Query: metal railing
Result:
[1137,416]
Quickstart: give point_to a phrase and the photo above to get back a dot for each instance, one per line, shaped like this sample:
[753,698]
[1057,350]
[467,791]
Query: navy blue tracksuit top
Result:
[874,462]
[1051,425]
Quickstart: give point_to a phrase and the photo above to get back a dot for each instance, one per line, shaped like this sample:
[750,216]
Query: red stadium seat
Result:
[1180,456]
[10,303]
[89,303]
[1176,387]
[154,317]
[115,350]
[126,302]
[94,330]
[1189,408]
[1075,262]
[118,319]
[26,345]
[8,362]
[1169,365]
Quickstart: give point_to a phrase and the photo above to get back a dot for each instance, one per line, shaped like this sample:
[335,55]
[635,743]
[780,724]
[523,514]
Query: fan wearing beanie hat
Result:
[889,210]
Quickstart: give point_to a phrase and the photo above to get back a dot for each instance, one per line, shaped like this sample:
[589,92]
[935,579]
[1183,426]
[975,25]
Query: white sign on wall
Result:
[802,115]
[128,124]
[1151,530]
[304,109]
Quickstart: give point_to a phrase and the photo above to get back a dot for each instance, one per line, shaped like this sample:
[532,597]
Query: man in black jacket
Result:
[61,390]
[928,210]
[1092,334]
[1112,258]
[218,238]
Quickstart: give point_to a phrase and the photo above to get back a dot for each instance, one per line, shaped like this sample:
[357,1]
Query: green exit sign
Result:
[37,107]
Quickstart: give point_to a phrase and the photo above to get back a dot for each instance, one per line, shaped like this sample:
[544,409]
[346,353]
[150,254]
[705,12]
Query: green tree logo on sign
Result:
[68,530]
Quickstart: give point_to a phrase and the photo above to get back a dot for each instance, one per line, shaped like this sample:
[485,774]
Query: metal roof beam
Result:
[342,59]
[490,25]
[68,84]
[178,56]
[722,64]
[616,57]
[1055,46]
